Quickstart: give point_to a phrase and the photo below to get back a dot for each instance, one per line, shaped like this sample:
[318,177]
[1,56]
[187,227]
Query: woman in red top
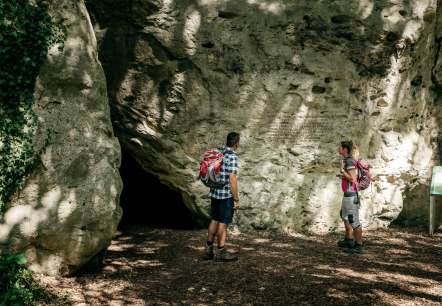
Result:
[350,202]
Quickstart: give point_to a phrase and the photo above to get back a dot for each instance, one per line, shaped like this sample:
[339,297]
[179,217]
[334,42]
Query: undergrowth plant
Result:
[332,230]
[17,284]
[26,34]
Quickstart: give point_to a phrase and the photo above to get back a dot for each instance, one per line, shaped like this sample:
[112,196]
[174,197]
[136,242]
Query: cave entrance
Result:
[146,201]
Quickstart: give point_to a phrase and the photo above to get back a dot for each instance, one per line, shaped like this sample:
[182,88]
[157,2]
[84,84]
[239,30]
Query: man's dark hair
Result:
[232,139]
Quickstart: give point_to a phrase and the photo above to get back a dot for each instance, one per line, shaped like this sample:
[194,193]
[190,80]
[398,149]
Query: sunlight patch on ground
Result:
[392,262]
[338,294]
[296,235]
[325,267]
[149,263]
[230,247]
[153,246]
[399,241]
[406,278]
[147,250]
[248,249]
[122,246]
[322,275]
[433,268]
[261,240]
[385,296]
[234,231]
[405,281]
[401,252]
[275,255]
[281,245]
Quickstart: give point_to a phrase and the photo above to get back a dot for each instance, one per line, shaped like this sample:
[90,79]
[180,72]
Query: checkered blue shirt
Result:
[230,165]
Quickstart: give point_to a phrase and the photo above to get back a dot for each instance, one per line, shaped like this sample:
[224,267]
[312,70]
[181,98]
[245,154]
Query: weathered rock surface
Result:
[68,211]
[295,78]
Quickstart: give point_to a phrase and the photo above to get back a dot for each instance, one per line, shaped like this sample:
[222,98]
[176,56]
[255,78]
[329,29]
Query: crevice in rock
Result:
[146,201]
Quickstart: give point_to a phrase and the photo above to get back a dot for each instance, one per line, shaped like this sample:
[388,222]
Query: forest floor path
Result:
[161,266]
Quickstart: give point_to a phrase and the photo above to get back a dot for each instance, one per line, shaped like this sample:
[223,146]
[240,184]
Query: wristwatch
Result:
[342,170]
[236,200]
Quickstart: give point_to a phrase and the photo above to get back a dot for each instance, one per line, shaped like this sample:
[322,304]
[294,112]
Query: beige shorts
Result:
[350,211]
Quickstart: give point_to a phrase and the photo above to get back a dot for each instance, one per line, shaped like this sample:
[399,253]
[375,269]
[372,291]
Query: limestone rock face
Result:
[294,78]
[68,211]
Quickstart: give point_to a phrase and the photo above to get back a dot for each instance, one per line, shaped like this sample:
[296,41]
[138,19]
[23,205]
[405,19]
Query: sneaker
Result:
[357,249]
[346,243]
[223,255]
[208,253]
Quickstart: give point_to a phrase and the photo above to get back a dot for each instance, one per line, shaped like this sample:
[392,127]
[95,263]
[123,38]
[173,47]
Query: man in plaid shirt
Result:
[223,202]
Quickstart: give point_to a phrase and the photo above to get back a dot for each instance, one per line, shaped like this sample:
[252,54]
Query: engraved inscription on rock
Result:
[298,128]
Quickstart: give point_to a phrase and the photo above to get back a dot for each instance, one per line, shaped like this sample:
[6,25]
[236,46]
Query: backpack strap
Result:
[358,174]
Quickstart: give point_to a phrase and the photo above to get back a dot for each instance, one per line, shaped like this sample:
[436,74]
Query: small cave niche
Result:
[148,202]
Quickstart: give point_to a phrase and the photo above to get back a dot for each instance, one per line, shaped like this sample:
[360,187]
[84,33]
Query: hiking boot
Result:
[208,254]
[223,255]
[346,243]
[357,249]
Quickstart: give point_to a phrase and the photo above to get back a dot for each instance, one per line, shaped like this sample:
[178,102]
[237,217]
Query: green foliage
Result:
[26,33]
[17,284]
[332,230]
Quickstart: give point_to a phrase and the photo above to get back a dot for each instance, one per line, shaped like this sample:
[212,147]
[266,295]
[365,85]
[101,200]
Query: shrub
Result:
[17,284]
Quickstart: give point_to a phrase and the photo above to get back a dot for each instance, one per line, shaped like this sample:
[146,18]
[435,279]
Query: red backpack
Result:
[210,168]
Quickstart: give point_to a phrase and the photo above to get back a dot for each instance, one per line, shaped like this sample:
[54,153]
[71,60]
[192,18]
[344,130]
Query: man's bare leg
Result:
[212,230]
[222,234]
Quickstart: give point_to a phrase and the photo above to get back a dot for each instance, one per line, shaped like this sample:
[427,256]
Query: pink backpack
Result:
[364,174]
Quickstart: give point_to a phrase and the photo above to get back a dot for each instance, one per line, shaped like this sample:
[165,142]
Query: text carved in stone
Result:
[296,128]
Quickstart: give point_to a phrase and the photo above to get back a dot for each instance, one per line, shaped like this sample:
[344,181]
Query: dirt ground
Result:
[158,266]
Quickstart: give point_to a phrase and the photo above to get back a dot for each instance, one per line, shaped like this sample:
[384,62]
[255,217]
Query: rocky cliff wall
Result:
[294,78]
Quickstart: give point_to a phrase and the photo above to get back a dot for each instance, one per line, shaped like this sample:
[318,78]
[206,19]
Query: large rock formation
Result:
[68,211]
[295,78]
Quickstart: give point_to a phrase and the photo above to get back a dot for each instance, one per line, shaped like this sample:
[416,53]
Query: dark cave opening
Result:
[146,201]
